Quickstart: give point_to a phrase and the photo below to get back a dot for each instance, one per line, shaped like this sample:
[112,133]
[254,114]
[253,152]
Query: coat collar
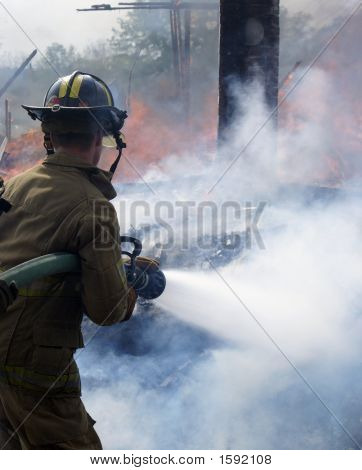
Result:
[100,178]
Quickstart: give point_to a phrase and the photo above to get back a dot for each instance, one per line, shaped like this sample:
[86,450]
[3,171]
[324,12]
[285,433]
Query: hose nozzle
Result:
[148,284]
[143,274]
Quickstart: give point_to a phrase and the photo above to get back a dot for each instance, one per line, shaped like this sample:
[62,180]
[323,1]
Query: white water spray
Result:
[213,376]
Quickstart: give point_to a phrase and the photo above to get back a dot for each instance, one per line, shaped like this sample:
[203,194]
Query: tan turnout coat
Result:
[59,205]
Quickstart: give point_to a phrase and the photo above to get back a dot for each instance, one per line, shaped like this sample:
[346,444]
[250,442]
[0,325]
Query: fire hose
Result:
[148,280]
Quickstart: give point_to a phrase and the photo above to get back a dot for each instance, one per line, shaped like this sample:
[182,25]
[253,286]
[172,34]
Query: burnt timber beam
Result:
[249,50]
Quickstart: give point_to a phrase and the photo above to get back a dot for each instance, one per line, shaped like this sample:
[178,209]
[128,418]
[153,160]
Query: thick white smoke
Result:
[212,364]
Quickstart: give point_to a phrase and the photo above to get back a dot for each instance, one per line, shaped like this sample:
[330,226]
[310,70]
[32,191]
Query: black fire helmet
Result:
[79,102]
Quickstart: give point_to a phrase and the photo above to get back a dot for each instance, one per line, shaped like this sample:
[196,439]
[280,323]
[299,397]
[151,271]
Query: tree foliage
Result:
[140,47]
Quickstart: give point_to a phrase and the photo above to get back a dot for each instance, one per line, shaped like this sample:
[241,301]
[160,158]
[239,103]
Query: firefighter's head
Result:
[78,113]
[82,137]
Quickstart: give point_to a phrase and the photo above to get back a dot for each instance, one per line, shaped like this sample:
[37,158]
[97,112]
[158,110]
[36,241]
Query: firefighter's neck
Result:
[89,151]
[90,155]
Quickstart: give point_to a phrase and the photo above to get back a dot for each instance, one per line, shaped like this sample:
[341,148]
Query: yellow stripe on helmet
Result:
[107,93]
[64,86]
[74,92]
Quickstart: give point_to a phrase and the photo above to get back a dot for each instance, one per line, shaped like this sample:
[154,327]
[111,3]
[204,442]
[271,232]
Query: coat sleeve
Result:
[104,285]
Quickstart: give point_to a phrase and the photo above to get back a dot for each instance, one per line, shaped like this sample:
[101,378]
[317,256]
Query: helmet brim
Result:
[42,113]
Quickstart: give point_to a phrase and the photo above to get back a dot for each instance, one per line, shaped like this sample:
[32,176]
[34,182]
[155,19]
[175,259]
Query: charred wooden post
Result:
[249,50]
[175,52]
[187,63]
[7,120]
[179,47]
[9,126]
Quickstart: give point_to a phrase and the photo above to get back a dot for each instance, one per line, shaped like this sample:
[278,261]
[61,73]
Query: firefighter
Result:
[61,204]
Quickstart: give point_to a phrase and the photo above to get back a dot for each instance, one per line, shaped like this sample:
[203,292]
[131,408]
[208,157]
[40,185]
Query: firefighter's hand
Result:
[146,277]
[8,293]
[135,279]
[147,264]
[143,265]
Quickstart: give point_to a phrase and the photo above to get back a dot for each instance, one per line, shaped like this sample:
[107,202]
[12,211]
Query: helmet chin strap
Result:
[48,144]
[120,146]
